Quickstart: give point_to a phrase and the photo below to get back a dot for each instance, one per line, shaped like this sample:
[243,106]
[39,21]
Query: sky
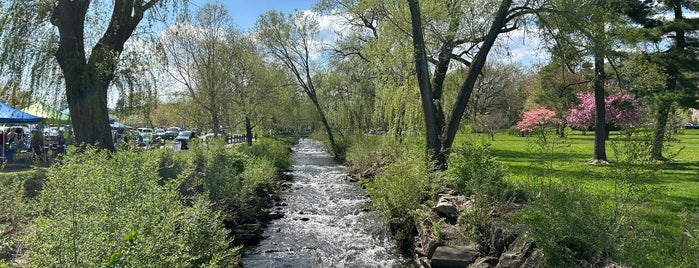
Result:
[246,12]
[521,49]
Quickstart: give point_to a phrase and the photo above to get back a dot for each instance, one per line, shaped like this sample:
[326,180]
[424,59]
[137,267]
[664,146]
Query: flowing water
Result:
[327,223]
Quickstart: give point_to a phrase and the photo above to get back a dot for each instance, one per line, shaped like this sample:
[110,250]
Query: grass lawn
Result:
[676,183]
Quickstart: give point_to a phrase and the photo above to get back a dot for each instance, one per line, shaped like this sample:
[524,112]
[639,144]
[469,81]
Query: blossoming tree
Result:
[621,110]
[536,120]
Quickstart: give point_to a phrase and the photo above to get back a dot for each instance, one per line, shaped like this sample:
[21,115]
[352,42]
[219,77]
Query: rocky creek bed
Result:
[325,223]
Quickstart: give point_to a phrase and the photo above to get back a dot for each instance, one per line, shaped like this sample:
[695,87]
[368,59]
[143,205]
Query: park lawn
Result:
[675,183]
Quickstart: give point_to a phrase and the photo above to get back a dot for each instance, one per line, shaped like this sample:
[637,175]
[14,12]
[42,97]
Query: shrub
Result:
[14,213]
[399,191]
[269,149]
[570,226]
[92,200]
[475,172]
[537,120]
[368,154]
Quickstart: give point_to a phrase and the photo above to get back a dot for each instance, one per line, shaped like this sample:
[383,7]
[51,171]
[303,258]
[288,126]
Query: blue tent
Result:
[9,115]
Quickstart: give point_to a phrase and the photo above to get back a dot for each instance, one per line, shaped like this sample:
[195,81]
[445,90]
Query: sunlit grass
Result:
[675,183]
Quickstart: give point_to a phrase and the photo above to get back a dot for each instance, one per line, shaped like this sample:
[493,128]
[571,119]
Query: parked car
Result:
[183,139]
[145,130]
[691,126]
[171,133]
[158,132]
[210,134]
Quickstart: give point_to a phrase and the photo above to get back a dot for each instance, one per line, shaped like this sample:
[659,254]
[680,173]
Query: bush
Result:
[107,209]
[399,191]
[15,212]
[475,172]
[269,149]
[570,226]
[369,155]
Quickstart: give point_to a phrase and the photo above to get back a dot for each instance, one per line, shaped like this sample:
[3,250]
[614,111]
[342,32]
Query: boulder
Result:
[248,232]
[516,257]
[446,208]
[453,257]
[484,262]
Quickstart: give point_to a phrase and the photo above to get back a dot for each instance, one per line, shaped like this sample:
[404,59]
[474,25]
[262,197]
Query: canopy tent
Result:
[9,115]
[66,111]
[47,112]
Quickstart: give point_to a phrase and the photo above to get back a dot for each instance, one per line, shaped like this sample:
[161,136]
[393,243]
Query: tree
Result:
[621,110]
[587,27]
[204,58]
[260,88]
[87,71]
[537,120]
[498,92]
[440,136]
[673,53]
[290,41]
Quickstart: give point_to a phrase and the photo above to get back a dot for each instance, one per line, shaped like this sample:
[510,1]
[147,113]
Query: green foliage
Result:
[400,190]
[269,149]
[15,211]
[92,199]
[570,226]
[474,171]
[368,154]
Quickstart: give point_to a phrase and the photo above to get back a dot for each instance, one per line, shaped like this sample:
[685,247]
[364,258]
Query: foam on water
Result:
[326,222]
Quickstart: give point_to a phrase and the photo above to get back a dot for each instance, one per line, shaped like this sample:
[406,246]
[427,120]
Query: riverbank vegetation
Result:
[98,208]
[633,211]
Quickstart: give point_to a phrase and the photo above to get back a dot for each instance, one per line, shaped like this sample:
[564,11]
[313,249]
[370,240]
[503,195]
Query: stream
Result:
[326,222]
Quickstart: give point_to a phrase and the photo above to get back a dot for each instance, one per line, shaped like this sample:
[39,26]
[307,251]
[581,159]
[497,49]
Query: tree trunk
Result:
[432,146]
[248,131]
[86,80]
[467,86]
[656,149]
[324,120]
[600,152]
[87,101]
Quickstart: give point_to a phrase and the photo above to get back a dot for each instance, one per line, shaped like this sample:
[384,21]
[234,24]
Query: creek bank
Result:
[439,240]
[263,208]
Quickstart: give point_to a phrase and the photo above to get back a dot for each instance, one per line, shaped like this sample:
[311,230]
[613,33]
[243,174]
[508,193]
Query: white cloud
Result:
[522,45]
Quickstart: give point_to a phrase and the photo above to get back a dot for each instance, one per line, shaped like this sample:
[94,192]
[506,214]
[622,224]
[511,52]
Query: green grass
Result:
[675,183]
[679,178]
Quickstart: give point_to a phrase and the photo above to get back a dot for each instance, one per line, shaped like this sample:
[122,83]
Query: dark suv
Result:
[171,133]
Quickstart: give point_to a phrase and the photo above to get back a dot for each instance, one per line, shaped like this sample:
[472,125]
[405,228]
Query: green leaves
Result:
[97,205]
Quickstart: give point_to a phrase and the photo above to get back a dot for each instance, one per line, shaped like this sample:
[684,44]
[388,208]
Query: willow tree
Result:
[292,41]
[86,39]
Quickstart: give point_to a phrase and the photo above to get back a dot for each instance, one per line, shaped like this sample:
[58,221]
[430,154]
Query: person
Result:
[61,143]
[12,136]
[37,145]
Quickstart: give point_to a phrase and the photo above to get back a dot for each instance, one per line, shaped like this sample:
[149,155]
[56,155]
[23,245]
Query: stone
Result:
[275,215]
[446,209]
[516,257]
[484,262]
[248,232]
[453,257]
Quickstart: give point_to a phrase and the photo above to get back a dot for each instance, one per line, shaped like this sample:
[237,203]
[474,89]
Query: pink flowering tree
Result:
[621,110]
[537,120]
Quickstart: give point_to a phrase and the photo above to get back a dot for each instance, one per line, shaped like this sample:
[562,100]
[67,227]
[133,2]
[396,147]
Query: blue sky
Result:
[245,12]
